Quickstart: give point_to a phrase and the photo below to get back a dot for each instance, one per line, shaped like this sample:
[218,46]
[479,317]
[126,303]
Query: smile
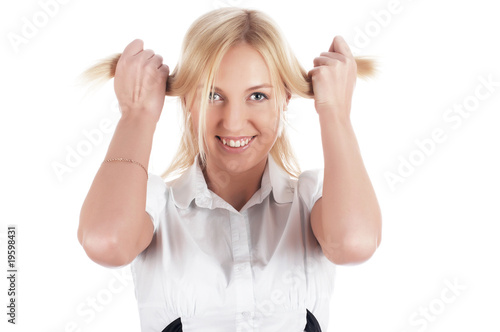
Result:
[235,145]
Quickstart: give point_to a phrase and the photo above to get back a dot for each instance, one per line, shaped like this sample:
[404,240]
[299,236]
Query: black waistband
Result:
[311,326]
[175,326]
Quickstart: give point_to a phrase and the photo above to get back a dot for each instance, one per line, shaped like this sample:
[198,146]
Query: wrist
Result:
[329,115]
[143,121]
[132,139]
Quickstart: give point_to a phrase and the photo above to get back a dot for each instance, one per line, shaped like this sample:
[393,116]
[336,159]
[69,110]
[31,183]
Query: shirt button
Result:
[246,314]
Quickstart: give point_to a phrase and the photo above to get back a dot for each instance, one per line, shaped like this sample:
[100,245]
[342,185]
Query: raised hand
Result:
[140,82]
[334,78]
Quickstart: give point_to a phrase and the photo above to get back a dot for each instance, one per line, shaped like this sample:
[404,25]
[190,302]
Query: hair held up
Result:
[207,40]
[299,83]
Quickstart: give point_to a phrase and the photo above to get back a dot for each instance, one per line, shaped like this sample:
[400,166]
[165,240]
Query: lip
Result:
[234,150]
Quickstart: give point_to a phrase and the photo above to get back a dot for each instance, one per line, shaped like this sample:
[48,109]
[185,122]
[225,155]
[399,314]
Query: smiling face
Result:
[242,118]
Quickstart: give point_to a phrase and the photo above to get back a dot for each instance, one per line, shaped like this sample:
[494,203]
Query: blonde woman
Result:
[241,239]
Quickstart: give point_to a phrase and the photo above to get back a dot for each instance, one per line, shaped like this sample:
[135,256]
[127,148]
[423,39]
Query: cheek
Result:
[211,123]
[268,127]
[269,120]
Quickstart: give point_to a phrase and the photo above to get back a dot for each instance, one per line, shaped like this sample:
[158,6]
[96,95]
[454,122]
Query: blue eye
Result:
[211,96]
[263,96]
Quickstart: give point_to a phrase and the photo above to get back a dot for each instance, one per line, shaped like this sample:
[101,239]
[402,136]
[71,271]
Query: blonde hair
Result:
[205,43]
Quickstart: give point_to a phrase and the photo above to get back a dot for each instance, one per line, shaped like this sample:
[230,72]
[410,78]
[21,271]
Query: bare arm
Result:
[346,221]
[114,226]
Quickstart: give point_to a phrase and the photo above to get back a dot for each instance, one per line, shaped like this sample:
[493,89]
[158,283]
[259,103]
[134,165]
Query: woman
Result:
[241,240]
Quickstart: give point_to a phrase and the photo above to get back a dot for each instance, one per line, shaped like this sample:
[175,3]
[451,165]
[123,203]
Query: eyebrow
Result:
[264,85]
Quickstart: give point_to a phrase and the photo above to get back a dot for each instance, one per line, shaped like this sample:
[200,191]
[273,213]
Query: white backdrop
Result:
[427,127]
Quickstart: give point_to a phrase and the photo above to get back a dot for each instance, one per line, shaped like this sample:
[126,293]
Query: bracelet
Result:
[130,161]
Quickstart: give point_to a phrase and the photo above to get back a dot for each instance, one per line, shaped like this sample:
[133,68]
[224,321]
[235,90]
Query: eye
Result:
[260,95]
[212,97]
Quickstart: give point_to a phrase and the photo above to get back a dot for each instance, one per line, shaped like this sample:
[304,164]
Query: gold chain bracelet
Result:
[128,160]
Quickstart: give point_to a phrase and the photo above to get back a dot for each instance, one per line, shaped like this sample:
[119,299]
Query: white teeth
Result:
[235,144]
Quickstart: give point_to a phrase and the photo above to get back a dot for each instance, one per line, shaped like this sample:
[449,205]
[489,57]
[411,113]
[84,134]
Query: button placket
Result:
[242,275]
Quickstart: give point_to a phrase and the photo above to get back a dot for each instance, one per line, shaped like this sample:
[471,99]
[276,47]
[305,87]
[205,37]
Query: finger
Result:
[339,45]
[333,55]
[328,58]
[164,70]
[311,72]
[323,61]
[134,47]
[156,60]
[146,54]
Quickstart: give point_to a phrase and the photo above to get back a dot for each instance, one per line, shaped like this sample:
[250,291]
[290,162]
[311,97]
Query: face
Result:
[242,118]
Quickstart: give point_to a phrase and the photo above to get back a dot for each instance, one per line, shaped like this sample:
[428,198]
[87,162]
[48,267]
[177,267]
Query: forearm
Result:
[351,218]
[115,203]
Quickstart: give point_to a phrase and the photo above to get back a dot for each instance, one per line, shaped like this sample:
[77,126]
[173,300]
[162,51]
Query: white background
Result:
[440,222]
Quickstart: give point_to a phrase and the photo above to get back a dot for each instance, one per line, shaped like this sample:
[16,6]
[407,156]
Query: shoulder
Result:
[310,177]
[310,186]
[156,185]
[156,181]
[156,198]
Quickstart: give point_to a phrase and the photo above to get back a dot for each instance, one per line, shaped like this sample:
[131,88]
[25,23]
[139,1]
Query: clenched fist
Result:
[140,82]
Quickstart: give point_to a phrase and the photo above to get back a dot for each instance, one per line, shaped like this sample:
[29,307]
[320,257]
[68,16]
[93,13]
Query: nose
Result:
[234,118]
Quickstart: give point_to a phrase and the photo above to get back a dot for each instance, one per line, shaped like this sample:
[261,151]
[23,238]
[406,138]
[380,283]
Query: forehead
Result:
[242,66]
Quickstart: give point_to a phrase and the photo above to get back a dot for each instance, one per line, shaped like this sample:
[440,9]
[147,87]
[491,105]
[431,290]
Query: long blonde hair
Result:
[205,43]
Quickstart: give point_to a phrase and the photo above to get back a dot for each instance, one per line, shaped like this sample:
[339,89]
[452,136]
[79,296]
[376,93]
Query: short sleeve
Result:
[310,186]
[156,198]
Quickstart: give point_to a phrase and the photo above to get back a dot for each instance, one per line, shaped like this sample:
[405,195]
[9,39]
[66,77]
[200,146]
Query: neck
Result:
[236,188]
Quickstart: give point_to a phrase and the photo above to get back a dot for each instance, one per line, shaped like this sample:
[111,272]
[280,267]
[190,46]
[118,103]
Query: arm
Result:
[114,225]
[346,221]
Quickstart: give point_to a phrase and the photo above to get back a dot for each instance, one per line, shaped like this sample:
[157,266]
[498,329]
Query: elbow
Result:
[352,250]
[104,250]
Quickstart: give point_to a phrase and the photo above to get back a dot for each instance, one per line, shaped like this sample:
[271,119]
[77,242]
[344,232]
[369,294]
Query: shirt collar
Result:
[192,185]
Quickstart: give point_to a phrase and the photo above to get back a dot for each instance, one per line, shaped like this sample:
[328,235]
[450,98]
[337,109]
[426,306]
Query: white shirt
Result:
[219,269]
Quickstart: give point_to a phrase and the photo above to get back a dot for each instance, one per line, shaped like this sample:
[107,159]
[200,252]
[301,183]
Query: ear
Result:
[288,96]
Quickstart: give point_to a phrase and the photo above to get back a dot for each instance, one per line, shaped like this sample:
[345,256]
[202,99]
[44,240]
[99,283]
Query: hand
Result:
[140,82]
[333,78]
